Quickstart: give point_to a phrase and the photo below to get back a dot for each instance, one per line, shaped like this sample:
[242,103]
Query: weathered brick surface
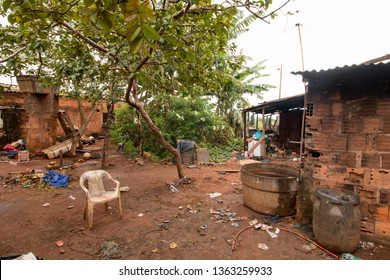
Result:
[320,141]
[356,142]
[384,196]
[385,161]
[338,141]
[322,110]
[370,160]
[351,125]
[329,125]
[337,109]
[373,125]
[313,123]
[352,146]
[382,229]
[378,212]
[367,226]
[382,143]
[383,108]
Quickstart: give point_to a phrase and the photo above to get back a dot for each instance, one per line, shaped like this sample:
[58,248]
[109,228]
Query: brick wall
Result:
[348,146]
[35,118]
[71,107]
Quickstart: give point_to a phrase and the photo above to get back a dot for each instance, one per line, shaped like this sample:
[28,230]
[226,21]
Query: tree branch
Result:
[13,55]
[87,40]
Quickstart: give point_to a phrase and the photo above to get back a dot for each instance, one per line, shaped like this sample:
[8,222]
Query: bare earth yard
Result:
[156,224]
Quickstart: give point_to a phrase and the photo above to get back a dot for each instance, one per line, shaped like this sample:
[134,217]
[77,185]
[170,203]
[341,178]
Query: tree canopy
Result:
[147,50]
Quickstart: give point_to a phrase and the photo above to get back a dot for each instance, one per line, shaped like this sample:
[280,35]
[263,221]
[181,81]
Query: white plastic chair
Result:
[95,183]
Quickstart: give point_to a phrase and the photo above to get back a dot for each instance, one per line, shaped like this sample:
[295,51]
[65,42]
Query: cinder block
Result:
[352,125]
[384,196]
[382,143]
[313,123]
[320,141]
[378,212]
[322,110]
[356,142]
[329,125]
[338,141]
[337,109]
[370,160]
[382,229]
[383,108]
[373,125]
[367,226]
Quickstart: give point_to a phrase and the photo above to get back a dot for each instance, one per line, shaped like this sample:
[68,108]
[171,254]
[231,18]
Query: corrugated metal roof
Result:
[347,69]
[278,105]
[370,75]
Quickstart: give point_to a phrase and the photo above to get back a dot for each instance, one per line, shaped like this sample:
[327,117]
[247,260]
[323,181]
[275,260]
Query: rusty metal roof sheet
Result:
[362,73]
[279,105]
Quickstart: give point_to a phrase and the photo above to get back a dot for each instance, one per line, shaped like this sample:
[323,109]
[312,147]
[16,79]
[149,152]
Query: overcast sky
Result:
[334,33]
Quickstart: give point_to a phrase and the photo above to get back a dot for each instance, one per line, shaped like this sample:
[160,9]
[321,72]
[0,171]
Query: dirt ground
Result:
[157,223]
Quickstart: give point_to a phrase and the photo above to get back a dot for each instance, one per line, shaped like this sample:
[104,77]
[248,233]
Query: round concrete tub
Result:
[270,189]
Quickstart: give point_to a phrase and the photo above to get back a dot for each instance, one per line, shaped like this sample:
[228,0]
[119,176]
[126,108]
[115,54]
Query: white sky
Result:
[334,33]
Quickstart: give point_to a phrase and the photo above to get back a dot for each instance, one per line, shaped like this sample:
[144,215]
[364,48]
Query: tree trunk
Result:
[83,124]
[140,134]
[107,127]
[157,133]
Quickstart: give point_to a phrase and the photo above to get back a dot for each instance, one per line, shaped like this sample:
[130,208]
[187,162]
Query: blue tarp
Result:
[56,179]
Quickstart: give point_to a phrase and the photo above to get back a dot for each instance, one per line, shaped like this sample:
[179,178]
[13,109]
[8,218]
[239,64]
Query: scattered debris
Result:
[29,256]
[109,249]
[213,195]
[124,189]
[262,246]
[203,227]
[59,243]
[173,245]
[46,204]
[70,207]
[56,179]
[72,197]
[348,256]
[365,245]
[140,215]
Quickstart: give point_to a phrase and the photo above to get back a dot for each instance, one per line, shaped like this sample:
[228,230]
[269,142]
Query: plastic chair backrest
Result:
[93,181]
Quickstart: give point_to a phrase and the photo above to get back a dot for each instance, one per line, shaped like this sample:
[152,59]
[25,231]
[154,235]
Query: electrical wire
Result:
[287,230]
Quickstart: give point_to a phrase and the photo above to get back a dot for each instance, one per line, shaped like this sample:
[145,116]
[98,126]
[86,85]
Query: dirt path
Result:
[156,224]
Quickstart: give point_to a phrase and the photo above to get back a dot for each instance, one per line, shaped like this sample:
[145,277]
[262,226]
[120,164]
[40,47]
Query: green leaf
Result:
[89,3]
[132,20]
[136,45]
[135,34]
[150,33]
[6,4]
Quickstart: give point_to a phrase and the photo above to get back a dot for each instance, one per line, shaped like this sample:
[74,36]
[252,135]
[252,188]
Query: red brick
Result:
[373,125]
[356,142]
[370,160]
[352,125]
[382,143]
[383,108]
[382,229]
[313,123]
[337,109]
[322,110]
[385,161]
[384,196]
[320,141]
[378,212]
[367,226]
